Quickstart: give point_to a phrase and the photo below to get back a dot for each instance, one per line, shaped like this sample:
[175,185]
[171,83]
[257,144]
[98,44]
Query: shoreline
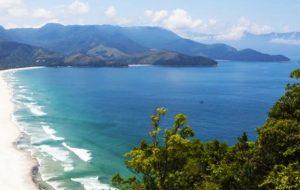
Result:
[16,166]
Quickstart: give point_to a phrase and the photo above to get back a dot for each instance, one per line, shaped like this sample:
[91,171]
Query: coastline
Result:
[16,166]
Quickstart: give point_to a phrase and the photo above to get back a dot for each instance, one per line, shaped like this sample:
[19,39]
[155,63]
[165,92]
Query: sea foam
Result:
[51,132]
[58,154]
[23,97]
[56,185]
[139,65]
[35,109]
[92,183]
[83,154]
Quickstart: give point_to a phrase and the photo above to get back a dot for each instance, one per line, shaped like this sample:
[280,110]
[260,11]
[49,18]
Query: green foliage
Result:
[288,106]
[283,177]
[295,74]
[175,160]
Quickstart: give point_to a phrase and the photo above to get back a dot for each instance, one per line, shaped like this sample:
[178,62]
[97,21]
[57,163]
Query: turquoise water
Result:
[79,122]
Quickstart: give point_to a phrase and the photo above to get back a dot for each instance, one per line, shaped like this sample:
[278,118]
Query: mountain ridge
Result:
[131,40]
[287,43]
[214,51]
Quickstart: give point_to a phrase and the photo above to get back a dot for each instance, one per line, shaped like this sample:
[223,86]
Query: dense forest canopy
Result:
[179,161]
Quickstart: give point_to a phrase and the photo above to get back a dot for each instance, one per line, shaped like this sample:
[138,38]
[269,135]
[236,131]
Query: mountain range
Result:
[107,45]
[287,43]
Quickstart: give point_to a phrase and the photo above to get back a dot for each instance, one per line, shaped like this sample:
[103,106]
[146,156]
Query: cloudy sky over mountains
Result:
[229,19]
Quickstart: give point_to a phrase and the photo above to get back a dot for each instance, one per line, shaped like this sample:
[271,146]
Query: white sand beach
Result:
[15,165]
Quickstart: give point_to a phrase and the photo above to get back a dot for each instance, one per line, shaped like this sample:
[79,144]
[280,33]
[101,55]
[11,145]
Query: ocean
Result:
[79,122]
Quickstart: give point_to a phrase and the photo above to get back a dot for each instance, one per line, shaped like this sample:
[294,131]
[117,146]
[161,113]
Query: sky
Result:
[228,19]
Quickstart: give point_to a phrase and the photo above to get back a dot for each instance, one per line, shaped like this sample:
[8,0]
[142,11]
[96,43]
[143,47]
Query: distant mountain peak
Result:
[52,25]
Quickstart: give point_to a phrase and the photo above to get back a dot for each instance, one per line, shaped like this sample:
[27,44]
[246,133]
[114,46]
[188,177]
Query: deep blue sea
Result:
[79,122]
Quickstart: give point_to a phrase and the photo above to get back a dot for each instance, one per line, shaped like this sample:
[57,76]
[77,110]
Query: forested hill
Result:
[16,55]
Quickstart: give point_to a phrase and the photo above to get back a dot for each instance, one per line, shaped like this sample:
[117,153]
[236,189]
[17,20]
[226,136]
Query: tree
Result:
[283,177]
[295,74]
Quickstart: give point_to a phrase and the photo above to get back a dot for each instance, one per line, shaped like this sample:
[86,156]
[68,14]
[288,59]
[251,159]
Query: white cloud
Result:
[66,14]
[244,25]
[112,15]
[110,11]
[10,25]
[254,27]
[177,20]
[287,28]
[148,13]
[156,16]
[14,8]
[42,13]
[7,4]
[212,22]
[181,22]
[79,7]
[285,41]
[16,13]
[180,19]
